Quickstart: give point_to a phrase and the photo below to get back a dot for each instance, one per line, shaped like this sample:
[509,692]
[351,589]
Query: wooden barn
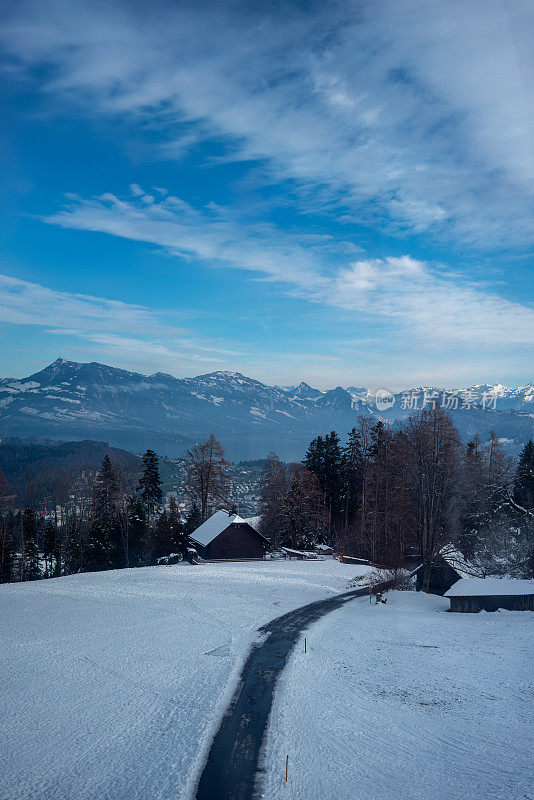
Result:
[226,535]
[470,595]
[450,566]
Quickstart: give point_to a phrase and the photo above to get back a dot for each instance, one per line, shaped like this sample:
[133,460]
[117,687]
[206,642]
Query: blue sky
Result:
[340,193]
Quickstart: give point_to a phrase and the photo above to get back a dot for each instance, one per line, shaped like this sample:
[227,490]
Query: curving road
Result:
[232,771]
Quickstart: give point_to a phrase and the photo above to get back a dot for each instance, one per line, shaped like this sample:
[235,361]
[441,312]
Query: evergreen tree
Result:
[180,530]
[6,548]
[163,538]
[324,460]
[49,546]
[104,550]
[29,568]
[523,493]
[106,513]
[352,483]
[98,550]
[150,482]
[474,496]
[137,529]
[150,490]
[193,519]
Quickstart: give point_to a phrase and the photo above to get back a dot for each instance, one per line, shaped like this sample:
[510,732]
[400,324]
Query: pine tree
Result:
[49,546]
[524,480]
[324,460]
[150,482]
[106,512]
[103,549]
[137,530]
[6,548]
[150,490]
[193,519]
[29,568]
[180,531]
[163,538]
[98,550]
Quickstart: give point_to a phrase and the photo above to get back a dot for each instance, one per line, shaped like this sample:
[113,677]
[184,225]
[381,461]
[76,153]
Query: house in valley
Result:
[227,535]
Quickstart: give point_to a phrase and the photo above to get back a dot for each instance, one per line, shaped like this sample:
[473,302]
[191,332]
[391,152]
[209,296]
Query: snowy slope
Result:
[113,683]
[403,701]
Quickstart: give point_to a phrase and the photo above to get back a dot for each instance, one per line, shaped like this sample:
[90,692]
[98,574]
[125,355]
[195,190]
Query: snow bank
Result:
[113,683]
[403,701]
[476,587]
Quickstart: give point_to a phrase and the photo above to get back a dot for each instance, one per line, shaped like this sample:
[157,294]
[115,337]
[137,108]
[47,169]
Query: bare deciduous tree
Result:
[207,475]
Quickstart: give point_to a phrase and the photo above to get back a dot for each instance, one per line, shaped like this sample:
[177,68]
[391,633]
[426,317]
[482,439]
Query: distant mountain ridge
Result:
[68,399]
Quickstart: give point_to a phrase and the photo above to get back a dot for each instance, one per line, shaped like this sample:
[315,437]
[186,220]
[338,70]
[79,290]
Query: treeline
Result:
[406,489]
[388,494]
[109,518]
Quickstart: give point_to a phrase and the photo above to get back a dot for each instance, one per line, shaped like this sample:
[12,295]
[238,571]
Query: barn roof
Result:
[478,587]
[455,559]
[254,522]
[217,523]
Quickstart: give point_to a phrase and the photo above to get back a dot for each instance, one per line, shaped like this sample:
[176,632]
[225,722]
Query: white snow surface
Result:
[113,683]
[405,701]
[477,587]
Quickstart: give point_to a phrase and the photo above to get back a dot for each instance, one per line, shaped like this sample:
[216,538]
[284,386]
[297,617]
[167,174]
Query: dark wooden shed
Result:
[470,595]
[229,536]
[449,566]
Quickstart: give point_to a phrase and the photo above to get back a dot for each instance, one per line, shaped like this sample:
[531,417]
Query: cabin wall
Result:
[470,605]
[442,577]
[238,540]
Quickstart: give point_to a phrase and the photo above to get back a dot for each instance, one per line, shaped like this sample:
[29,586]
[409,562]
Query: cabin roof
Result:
[479,587]
[458,562]
[217,523]
[455,559]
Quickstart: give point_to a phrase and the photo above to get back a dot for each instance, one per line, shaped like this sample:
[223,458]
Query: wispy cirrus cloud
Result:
[131,333]
[415,116]
[424,301]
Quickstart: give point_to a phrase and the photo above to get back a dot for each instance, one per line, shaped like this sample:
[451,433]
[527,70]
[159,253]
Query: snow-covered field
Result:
[113,683]
[405,701]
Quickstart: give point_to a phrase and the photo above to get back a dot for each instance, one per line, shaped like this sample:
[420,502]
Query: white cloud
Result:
[435,306]
[416,115]
[133,334]
[421,300]
[214,235]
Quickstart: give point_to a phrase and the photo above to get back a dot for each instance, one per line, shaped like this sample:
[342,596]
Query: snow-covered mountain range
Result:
[75,400]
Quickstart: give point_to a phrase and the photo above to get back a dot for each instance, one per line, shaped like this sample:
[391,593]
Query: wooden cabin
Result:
[449,566]
[470,595]
[229,536]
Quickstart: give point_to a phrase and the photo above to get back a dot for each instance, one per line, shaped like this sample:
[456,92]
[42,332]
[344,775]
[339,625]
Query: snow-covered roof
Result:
[303,553]
[254,522]
[459,563]
[476,587]
[216,524]
[323,547]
